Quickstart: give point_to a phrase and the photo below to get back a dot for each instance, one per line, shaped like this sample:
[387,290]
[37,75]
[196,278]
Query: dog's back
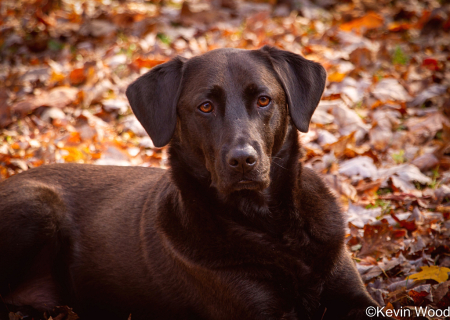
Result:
[74,226]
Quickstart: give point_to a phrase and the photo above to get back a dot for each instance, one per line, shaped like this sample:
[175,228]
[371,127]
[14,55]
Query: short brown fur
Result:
[211,238]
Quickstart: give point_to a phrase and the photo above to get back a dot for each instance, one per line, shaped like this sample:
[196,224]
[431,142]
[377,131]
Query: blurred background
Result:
[380,136]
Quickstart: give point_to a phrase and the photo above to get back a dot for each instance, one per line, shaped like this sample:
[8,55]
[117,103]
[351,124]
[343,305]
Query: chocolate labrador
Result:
[235,229]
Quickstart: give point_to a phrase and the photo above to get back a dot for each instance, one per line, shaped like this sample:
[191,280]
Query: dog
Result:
[237,228]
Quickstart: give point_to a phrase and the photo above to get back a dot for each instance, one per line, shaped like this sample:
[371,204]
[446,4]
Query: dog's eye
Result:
[206,107]
[263,101]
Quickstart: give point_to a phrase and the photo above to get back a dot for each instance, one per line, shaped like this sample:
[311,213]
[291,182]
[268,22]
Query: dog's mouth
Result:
[243,183]
[247,184]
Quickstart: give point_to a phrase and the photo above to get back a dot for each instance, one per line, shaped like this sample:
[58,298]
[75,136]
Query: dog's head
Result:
[228,110]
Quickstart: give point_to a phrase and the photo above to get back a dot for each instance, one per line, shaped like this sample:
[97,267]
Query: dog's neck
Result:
[195,183]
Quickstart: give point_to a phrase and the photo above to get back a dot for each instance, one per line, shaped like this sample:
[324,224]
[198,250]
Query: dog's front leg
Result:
[345,296]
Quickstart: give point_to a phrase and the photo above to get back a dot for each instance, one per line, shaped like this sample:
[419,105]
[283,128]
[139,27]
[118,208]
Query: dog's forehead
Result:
[228,66]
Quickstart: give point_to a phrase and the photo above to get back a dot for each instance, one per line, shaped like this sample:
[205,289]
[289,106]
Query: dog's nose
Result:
[242,159]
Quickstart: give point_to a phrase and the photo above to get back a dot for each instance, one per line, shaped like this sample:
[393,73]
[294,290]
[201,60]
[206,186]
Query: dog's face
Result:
[232,112]
[227,110]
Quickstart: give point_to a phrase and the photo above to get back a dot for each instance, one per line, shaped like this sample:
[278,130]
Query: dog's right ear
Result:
[153,98]
[303,81]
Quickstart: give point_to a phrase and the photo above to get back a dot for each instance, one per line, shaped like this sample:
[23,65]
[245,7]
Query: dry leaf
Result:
[371,20]
[148,63]
[432,91]
[359,167]
[360,216]
[390,89]
[58,97]
[77,76]
[437,273]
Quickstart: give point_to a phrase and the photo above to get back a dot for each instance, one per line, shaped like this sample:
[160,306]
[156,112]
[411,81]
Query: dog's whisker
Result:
[279,165]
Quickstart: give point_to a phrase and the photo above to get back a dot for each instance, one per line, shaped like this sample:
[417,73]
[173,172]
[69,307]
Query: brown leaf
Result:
[440,290]
[408,225]
[380,240]
[58,97]
[426,162]
[339,147]
[418,297]
[425,129]
[5,113]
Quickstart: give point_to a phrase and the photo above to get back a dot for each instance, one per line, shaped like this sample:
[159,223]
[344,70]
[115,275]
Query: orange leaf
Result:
[147,63]
[73,154]
[74,138]
[56,77]
[77,76]
[371,20]
[399,26]
[336,77]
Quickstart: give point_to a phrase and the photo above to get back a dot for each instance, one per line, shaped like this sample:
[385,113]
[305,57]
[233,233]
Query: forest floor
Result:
[380,136]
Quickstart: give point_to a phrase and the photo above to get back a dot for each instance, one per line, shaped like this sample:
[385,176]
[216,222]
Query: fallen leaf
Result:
[360,216]
[362,57]
[359,167]
[148,62]
[397,26]
[115,105]
[381,134]
[381,240]
[402,176]
[390,89]
[348,121]
[58,97]
[113,156]
[437,273]
[77,76]
[425,128]
[336,77]
[440,290]
[340,186]
[371,20]
[72,154]
[52,113]
[98,28]
[350,90]
[426,161]
[418,294]
[432,91]
[325,137]
[341,145]
[5,113]
[430,63]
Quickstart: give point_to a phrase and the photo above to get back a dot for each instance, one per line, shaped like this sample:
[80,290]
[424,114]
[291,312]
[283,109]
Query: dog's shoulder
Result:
[313,186]
[319,207]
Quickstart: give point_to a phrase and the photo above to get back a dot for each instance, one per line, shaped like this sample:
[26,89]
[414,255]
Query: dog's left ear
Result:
[154,97]
[303,81]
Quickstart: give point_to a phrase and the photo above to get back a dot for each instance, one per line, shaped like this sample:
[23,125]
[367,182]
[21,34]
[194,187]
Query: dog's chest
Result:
[274,285]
